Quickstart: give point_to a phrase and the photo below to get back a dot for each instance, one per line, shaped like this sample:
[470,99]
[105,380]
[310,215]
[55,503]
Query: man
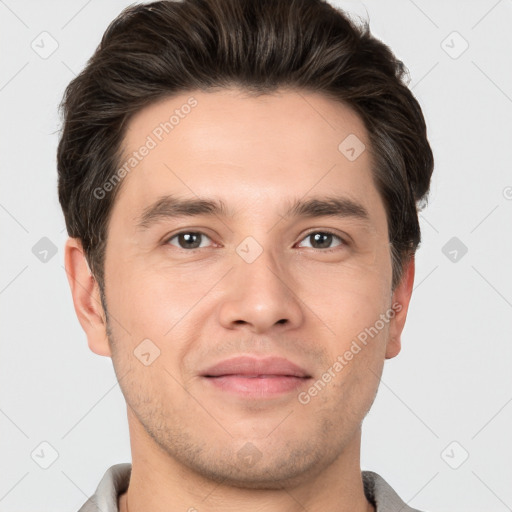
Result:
[240,182]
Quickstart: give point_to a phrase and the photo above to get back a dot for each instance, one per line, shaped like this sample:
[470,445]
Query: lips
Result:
[252,378]
[251,367]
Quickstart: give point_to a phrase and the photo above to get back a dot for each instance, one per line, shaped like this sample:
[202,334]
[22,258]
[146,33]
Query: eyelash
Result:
[324,232]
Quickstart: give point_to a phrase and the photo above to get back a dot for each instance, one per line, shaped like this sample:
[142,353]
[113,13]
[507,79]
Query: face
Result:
[248,231]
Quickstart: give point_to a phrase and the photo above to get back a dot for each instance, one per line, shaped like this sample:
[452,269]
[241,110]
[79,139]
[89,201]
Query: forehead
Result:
[247,150]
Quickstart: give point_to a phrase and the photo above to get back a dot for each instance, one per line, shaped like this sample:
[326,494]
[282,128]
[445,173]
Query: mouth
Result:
[256,378]
[258,386]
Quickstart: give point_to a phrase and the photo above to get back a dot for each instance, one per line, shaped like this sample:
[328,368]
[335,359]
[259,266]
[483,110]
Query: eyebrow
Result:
[169,207]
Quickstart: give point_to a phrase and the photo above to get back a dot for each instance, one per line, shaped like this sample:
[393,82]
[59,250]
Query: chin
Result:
[287,468]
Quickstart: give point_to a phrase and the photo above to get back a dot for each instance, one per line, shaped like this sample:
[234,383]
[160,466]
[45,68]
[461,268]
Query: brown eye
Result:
[188,240]
[323,240]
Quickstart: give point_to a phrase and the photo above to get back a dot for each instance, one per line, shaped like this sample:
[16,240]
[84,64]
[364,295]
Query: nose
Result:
[259,297]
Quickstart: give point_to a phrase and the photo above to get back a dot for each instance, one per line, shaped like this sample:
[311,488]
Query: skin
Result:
[205,305]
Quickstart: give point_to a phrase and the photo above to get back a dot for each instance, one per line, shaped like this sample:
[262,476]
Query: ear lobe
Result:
[400,304]
[86,298]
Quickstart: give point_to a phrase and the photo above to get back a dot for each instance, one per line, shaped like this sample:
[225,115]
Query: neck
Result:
[160,483]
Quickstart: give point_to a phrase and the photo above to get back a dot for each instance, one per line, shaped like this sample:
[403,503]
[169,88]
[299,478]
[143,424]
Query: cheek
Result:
[153,301]
[352,305]
[348,298]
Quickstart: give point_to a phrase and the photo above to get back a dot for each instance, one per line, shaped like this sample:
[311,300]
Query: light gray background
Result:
[452,380]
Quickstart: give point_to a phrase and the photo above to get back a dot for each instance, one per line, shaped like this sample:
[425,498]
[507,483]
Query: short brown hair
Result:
[163,48]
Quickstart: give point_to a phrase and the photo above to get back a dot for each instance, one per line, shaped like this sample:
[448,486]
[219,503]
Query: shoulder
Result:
[113,483]
[382,495]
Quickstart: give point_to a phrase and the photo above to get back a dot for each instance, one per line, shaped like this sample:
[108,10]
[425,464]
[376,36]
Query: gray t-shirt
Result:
[116,479]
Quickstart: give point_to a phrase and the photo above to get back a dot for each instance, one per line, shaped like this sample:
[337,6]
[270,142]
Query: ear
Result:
[400,304]
[86,298]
